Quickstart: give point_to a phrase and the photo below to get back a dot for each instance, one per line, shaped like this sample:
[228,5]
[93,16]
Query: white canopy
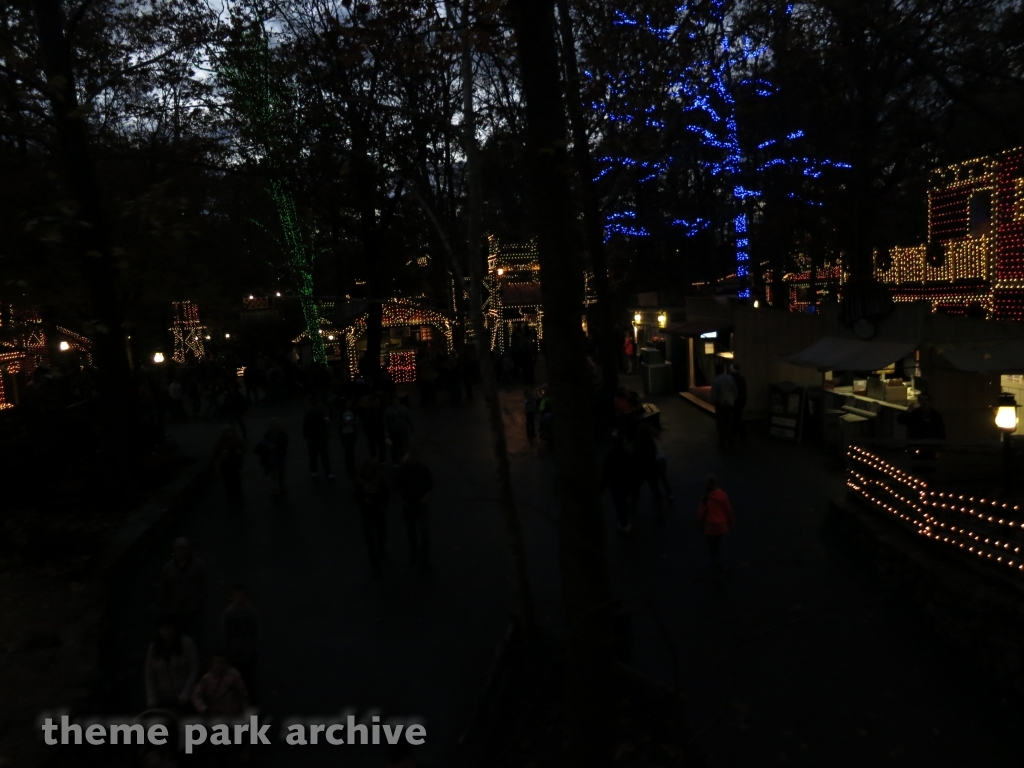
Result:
[835,353]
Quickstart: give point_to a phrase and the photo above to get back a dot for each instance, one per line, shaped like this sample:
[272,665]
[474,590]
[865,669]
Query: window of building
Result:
[980,213]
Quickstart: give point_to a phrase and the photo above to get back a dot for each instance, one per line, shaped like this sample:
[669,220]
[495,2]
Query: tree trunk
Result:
[97,261]
[489,382]
[593,220]
[582,549]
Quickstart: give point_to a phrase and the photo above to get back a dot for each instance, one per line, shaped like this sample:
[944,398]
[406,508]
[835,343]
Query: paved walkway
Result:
[791,659]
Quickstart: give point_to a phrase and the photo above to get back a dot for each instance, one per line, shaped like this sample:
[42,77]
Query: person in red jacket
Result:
[715,518]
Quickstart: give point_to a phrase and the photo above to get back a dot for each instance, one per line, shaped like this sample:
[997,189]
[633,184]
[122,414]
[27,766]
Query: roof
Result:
[835,353]
[697,327]
[520,294]
[995,356]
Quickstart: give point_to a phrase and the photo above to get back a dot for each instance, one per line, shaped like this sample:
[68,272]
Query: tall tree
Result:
[252,84]
[464,22]
[581,534]
[96,259]
[593,221]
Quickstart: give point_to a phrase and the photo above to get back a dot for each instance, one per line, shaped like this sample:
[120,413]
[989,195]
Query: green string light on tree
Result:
[257,102]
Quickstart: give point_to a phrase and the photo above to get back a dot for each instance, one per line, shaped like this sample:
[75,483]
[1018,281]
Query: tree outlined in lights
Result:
[250,84]
[701,98]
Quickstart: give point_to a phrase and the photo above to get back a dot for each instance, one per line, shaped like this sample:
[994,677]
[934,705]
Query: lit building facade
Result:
[801,292]
[513,288]
[974,258]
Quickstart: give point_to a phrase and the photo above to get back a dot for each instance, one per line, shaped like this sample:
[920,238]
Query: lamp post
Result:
[158,357]
[1006,421]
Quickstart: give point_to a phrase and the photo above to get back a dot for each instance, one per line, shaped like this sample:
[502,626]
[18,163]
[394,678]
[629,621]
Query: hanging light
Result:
[64,346]
[227,335]
[1006,413]
[662,319]
[158,357]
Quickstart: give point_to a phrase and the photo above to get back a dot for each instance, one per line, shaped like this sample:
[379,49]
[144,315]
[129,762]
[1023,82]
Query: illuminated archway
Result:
[396,315]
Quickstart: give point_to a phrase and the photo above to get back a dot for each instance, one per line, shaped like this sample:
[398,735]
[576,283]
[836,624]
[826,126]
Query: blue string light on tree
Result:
[701,98]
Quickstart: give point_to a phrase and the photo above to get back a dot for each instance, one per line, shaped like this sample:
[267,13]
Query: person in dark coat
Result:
[922,421]
[371,414]
[227,457]
[414,482]
[372,495]
[618,475]
[399,427]
[183,589]
[738,429]
[273,450]
[347,423]
[645,461]
[315,430]
[234,408]
[241,634]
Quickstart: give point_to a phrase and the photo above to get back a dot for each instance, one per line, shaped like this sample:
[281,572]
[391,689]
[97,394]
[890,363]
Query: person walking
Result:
[547,419]
[183,586]
[715,518]
[273,450]
[234,408]
[371,414]
[662,466]
[347,423]
[618,476]
[645,461]
[530,409]
[176,400]
[372,495]
[628,352]
[738,429]
[398,423]
[241,635]
[414,482]
[723,396]
[315,430]
[228,453]
[171,667]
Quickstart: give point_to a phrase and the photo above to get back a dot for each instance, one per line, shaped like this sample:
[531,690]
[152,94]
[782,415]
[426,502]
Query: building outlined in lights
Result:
[188,331]
[974,258]
[802,293]
[513,288]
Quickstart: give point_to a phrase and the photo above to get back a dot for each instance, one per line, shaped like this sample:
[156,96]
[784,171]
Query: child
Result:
[241,637]
[715,519]
[221,692]
[530,408]
[347,430]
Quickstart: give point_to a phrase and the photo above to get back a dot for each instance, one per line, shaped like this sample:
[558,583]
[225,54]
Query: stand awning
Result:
[834,353]
[998,356]
[697,328]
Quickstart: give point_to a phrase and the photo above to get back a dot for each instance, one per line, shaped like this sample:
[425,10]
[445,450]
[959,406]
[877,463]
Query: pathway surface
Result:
[791,659]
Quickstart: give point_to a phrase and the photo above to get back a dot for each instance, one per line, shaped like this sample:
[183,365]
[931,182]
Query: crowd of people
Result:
[174,684]
[376,430]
